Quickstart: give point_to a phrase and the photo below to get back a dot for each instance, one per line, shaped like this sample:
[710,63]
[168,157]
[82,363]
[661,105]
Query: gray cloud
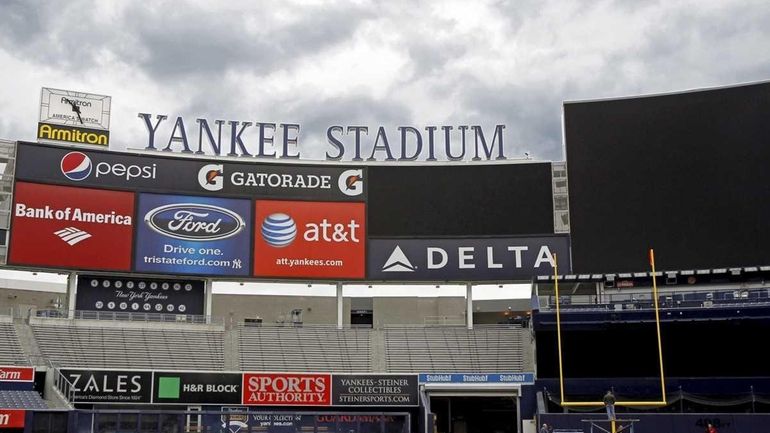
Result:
[511,62]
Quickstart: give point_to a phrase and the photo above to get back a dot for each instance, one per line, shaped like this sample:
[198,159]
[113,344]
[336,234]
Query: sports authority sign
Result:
[110,386]
[59,226]
[374,390]
[146,173]
[74,117]
[309,239]
[193,235]
[286,389]
[17,374]
[490,259]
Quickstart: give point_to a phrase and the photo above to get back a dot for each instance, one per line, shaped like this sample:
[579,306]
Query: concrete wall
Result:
[20,301]
[272,309]
[414,310]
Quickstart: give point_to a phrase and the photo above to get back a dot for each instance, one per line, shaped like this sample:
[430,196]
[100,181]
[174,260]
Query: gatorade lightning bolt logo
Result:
[351,182]
[76,166]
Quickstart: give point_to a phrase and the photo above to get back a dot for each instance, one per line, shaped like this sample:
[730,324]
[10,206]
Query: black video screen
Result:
[686,174]
[474,200]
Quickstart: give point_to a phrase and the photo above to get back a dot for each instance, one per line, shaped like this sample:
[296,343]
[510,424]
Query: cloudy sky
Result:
[371,63]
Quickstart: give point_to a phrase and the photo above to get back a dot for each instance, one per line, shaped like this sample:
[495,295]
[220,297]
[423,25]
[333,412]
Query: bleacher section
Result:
[10,349]
[671,300]
[456,349]
[21,400]
[308,348]
[131,346]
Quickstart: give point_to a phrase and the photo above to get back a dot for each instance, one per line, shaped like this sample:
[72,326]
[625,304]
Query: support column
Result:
[208,298]
[72,290]
[340,304]
[469,305]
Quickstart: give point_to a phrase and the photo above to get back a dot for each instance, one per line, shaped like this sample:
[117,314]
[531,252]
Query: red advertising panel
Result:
[309,239]
[11,418]
[17,374]
[61,226]
[287,389]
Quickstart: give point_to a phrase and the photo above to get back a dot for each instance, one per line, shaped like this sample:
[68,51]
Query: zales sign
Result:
[248,139]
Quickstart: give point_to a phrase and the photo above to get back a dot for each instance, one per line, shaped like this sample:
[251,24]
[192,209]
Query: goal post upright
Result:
[641,403]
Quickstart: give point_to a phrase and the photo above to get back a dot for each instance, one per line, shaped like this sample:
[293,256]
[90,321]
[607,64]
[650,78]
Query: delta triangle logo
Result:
[397,262]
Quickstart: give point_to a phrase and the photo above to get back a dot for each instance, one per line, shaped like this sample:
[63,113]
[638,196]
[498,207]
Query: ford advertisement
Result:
[193,235]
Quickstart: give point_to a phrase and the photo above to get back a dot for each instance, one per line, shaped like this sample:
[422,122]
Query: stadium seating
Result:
[21,400]
[307,348]
[10,349]
[456,349]
[131,346]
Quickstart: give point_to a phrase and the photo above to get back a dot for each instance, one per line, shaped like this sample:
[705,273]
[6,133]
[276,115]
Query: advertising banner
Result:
[12,418]
[286,389]
[145,173]
[74,117]
[146,295]
[460,259]
[238,420]
[374,390]
[67,107]
[17,374]
[197,388]
[110,386]
[478,378]
[67,227]
[193,235]
[309,239]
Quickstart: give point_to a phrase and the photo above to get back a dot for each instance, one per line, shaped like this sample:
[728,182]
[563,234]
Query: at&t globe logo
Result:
[279,230]
[76,166]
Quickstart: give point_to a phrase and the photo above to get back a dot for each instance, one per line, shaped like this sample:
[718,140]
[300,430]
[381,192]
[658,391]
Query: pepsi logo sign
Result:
[279,230]
[76,166]
[194,222]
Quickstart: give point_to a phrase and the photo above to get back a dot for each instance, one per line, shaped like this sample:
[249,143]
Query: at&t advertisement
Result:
[193,235]
[309,239]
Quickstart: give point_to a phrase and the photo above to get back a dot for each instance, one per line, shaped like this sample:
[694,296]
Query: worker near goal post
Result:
[609,403]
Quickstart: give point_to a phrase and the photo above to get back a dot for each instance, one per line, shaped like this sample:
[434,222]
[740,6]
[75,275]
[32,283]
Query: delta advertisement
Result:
[490,259]
[65,227]
[145,295]
[144,173]
[287,389]
[193,235]
[309,239]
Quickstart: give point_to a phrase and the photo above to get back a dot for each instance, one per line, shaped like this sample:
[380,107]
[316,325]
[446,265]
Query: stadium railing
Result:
[130,316]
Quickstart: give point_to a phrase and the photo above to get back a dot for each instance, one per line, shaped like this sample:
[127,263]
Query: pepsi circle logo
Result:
[279,230]
[76,166]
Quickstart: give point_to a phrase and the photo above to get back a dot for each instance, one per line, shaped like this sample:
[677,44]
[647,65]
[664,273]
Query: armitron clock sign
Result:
[74,117]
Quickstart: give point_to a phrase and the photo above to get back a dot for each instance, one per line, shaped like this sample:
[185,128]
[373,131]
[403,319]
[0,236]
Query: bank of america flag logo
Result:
[398,262]
[72,235]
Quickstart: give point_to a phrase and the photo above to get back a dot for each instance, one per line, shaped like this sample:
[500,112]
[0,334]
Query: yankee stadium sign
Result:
[250,139]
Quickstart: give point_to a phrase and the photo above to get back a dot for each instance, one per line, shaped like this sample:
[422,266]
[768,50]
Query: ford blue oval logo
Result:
[194,222]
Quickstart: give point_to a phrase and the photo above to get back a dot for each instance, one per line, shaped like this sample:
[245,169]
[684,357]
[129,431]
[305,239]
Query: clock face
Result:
[65,107]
